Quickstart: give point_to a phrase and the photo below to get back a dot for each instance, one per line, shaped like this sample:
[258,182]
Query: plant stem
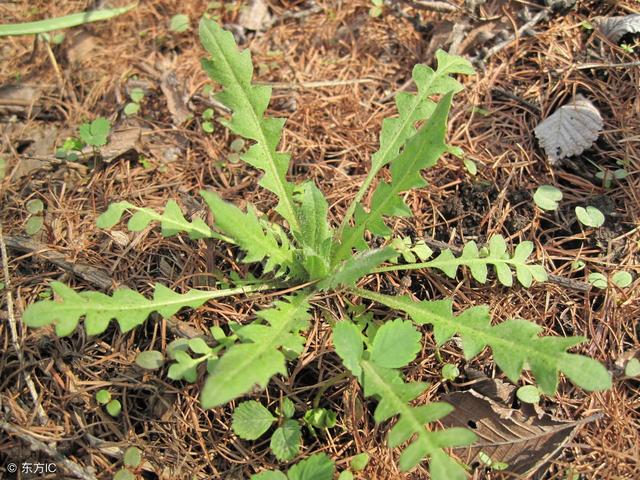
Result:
[328,384]
[352,207]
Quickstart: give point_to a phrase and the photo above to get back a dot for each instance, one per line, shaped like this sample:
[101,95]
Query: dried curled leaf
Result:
[570,129]
[524,442]
[614,28]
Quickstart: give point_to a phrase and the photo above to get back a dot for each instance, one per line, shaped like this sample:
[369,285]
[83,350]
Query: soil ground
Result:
[357,62]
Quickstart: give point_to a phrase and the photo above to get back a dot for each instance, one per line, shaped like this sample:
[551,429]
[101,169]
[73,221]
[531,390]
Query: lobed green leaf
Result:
[421,151]
[172,221]
[497,256]
[351,270]
[515,343]
[128,307]
[234,71]
[259,356]
[260,240]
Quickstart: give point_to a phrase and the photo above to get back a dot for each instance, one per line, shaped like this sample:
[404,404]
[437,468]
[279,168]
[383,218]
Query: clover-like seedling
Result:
[36,219]
[590,216]
[547,197]
[136,95]
[207,121]
[251,420]
[96,132]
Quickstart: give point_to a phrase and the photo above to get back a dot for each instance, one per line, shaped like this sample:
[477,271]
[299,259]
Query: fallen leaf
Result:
[522,439]
[614,28]
[255,16]
[125,142]
[80,46]
[570,129]
[17,98]
[175,96]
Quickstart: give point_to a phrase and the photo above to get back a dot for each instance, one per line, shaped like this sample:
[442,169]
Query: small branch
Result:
[541,15]
[431,5]
[316,84]
[42,416]
[71,467]
[88,273]
[585,66]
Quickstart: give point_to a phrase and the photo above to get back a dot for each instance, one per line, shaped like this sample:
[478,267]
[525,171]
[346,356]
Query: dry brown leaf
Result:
[122,143]
[18,98]
[569,130]
[80,46]
[176,97]
[255,16]
[614,28]
[524,441]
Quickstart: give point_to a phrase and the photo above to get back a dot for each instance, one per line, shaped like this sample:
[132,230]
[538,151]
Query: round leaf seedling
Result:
[547,197]
[590,216]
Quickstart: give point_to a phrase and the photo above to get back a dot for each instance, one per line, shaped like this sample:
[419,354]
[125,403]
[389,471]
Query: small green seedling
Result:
[71,148]
[471,166]
[316,467]
[96,132]
[632,368]
[114,407]
[103,397]
[547,197]
[319,418]
[251,420]
[627,48]
[487,461]
[136,95]
[608,176]
[207,120]
[36,219]
[124,474]
[376,10]
[132,457]
[621,279]
[590,216]
[450,372]
[598,280]
[150,360]
[179,23]
[528,394]
[577,265]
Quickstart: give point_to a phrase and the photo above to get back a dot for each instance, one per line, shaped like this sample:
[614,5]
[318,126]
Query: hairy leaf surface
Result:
[351,270]
[316,234]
